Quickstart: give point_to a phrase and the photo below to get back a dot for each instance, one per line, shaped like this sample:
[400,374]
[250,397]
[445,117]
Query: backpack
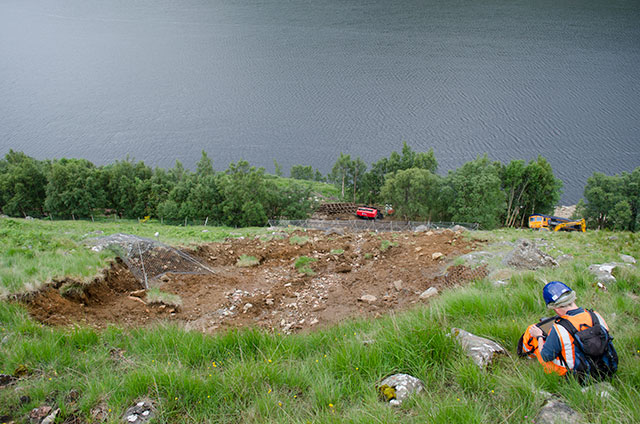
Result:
[594,347]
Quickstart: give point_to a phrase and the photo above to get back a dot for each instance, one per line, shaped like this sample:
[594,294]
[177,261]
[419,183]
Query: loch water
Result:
[299,81]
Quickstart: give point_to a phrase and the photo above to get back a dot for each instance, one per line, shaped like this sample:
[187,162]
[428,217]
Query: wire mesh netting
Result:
[371,225]
[148,259]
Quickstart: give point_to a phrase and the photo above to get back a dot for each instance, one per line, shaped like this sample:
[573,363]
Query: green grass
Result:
[247,261]
[303,265]
[300,240]
[330,376]
[337,251]
[386,244]
[33,252]
[157,296]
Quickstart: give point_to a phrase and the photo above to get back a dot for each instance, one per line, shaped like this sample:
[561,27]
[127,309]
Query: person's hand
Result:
[535,331]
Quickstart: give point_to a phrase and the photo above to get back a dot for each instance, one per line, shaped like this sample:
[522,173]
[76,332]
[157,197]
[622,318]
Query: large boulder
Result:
[557,412]
[604,272]
[526,255]
[398,387]
[480,350]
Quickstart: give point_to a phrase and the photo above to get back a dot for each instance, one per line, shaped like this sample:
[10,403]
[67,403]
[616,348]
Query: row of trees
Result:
[482,191]
[69,188]
[490,193]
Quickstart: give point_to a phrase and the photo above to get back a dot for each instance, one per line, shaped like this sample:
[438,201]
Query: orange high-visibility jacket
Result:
[566,359]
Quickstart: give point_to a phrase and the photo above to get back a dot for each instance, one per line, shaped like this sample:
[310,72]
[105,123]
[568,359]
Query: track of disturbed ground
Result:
[392,268]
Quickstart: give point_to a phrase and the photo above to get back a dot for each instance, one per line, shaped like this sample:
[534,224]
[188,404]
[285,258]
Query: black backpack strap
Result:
[568,326]
[594,318]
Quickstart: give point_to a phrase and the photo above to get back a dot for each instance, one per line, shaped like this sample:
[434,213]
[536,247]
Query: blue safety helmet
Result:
[553,290]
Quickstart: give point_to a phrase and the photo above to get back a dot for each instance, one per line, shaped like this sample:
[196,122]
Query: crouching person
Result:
[578,342]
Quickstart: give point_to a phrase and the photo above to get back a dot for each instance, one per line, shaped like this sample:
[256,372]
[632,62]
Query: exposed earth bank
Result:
[350,275]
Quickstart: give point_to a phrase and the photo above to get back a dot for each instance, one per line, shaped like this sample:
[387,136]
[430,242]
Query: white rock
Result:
[369,298]
[627,259]
[397,285]
[436,255]
[431,291]
[479,349]
[132,418]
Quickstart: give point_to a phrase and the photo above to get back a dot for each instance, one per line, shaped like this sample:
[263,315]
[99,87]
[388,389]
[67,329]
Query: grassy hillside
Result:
[328,376]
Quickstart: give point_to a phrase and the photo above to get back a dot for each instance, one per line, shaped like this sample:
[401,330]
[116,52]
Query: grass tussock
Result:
[303,265]
[330,376]
[245,261]
[157,296]
[299,240]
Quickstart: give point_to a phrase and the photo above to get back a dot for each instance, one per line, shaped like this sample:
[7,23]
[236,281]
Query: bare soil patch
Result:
[393,268]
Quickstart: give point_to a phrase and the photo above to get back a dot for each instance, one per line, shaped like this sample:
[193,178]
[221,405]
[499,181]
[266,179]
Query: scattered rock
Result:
[397,285]
[369,298]
[475,258]
[5,379]
[627,259]
[431,291]
[604,272]
[417,249]
[421,229]
[603,389]
[37,415]
[479,349]
[526,255]
[51,418]
[73,396]
[343,268]
[141,412]
[557,412]
[436,255]
[457,228]
[613,238]
[139,293]
[397,388]
[564,258]
[99,413]
[246,307]
[498,283]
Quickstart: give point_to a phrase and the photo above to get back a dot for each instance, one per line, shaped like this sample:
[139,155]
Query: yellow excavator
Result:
[555,223]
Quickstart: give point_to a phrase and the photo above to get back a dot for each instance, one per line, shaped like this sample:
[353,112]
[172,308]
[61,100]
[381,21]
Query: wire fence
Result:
[149,259]
[370,225]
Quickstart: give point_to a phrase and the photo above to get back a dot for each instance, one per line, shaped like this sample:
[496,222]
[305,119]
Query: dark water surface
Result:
[300,81]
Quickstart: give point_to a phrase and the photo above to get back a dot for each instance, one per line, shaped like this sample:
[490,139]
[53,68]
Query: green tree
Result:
[528,189]
[245,191]
[73,188]
[278,168]
[372,181]
[415,193]
[22,185]
[476,193]
[301,172]
[357,169]
[204,167]
[124,181]
[340,172]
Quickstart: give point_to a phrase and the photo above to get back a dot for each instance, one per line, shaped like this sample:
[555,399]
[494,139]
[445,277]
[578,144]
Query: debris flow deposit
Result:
[284,282]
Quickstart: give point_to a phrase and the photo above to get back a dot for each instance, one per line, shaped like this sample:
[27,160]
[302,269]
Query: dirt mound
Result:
[391,268]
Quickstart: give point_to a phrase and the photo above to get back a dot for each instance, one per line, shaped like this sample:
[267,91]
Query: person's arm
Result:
[550,349]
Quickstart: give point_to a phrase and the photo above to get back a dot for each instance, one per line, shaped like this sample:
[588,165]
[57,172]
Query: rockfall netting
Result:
[372,225]
[148,259]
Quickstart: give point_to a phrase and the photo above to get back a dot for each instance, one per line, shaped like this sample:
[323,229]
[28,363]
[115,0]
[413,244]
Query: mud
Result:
[273,294]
